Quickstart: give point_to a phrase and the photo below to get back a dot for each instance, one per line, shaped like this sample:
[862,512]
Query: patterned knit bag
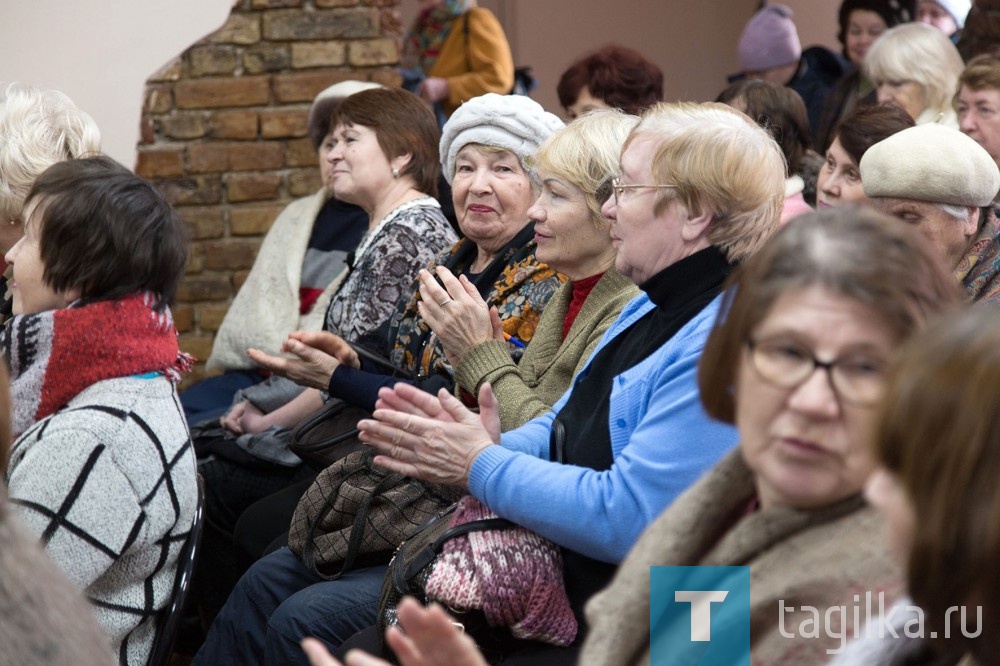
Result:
[501,582]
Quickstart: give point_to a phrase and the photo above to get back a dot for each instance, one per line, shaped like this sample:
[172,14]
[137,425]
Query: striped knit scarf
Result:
[513,575]
[55,355]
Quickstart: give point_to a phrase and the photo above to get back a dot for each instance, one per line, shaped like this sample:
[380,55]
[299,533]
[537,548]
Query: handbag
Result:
[357,514]
[329,434]
[502,583]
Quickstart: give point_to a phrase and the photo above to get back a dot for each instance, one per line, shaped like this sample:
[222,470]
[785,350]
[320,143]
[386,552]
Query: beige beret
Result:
[930,162]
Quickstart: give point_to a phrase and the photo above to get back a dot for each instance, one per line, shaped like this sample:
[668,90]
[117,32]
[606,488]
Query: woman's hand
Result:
[253,420]
[434,89]
[318,353]
[456,313]
[434,438]
[231,419]
[431,639]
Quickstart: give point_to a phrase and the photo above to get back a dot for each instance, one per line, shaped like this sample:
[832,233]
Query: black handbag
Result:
[329,434]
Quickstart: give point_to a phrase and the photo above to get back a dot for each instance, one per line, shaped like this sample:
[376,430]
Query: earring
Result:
[395,172]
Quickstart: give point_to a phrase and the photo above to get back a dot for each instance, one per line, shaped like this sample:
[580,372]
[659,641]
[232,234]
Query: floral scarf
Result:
[55,355]
[979,269]
[422,45]
[515,282]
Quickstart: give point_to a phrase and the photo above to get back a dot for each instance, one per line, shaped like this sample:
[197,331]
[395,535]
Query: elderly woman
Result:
[782,112]
[978,102]
[298,268]
[575,167]
[484,148]
[635,434]
[102,470]
[943,183]
[839,180]
[861,22]
[915,67]
[798,364]
[37,129]
[936,447]
[614,77]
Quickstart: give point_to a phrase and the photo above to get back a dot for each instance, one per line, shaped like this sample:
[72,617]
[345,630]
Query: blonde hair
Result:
[919,53]
[586,153]
[37,129]
[716,159]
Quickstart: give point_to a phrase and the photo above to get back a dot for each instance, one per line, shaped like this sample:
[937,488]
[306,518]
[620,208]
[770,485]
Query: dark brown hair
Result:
[779,110]
[859,253]
[107,232]
[938,432]
[620,76]
[403,125]
[865,126]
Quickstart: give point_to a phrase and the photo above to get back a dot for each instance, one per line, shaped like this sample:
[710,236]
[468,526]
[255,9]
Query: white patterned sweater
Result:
[108,484]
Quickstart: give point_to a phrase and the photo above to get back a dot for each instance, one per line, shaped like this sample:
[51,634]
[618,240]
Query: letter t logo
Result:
[701,610]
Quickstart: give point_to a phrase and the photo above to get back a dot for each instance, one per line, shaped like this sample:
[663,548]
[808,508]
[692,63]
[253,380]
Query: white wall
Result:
[100,52]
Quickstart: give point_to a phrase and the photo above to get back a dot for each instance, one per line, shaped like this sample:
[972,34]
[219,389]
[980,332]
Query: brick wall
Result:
[224,133]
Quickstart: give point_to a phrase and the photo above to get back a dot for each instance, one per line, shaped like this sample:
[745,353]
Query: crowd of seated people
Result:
[643,348]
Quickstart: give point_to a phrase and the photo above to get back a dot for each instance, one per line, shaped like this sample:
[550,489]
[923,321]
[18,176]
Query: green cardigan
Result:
[529,389]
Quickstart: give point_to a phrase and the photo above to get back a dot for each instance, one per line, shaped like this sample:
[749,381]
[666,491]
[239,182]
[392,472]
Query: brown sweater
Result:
[817,558]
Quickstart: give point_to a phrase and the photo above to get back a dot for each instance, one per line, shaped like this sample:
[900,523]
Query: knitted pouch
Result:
[503,583]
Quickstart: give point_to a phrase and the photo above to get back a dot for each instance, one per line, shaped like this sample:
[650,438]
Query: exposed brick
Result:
[147,130]
[205,288]
[221,92]
[300,153]
[387,77]
[233,125]
[213,59]
[210,317]
[195,260]
[183,317]
[172,71]
[235,156]
[253,220]
[203,221]
[241,29]
[266,57]
[272,4]
[160,162]
[391,21]
[372,52]
[199,346]
[303,87]
[324,4]
[184,126]
[230,253]
[239,277]
[252,186]
[293,25]
[304,182]
[194,190]
[158,99]
[283,124]
[318,54]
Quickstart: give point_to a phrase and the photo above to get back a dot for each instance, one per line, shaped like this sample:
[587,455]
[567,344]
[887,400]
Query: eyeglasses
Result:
[855,380]
[619,188]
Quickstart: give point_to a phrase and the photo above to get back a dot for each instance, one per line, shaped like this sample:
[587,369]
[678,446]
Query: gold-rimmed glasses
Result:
[618,187]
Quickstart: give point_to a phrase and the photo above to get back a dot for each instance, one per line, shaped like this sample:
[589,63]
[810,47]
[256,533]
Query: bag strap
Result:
[426,555]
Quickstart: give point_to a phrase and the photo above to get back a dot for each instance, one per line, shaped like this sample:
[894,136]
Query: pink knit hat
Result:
[769,40]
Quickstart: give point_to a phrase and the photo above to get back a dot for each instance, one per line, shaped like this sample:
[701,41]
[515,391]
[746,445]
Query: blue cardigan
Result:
[661,438]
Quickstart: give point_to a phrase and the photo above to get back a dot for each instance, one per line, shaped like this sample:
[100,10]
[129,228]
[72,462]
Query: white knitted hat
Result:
[513,122]
[931,162]
[959,9]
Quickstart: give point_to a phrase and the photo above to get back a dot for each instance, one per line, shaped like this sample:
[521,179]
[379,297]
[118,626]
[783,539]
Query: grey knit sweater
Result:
[108,484]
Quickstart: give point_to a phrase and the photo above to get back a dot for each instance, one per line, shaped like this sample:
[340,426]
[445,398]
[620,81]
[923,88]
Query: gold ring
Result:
[444,303]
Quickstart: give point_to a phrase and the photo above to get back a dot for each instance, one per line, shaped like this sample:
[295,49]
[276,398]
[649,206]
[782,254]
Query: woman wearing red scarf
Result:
[102,470]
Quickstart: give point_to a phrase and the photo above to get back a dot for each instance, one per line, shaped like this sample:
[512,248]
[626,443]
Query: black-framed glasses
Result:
[855,380]
[619,188]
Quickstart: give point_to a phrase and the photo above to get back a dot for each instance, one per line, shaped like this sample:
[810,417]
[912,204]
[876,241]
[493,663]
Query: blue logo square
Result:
[699,616]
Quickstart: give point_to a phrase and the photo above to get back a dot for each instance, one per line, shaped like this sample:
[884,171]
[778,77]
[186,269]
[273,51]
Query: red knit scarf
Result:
[55,355]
